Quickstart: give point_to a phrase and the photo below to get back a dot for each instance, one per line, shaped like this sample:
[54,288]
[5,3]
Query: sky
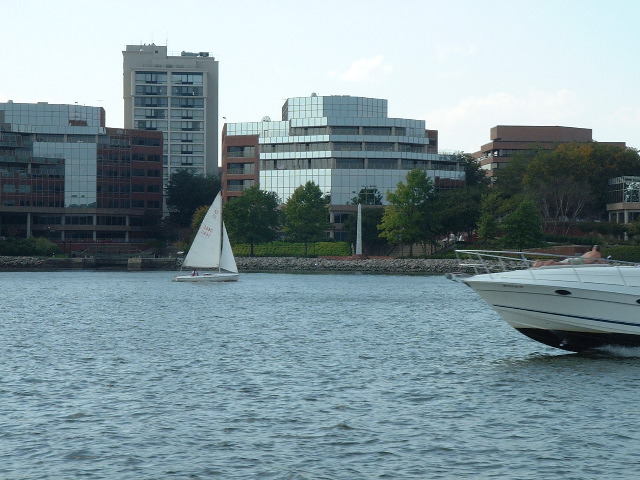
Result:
[462,66]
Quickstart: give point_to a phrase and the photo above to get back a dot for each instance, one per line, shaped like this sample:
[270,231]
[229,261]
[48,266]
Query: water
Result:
[120,375]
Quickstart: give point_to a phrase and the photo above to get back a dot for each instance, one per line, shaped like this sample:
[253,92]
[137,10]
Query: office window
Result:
[151,77]
[187,78]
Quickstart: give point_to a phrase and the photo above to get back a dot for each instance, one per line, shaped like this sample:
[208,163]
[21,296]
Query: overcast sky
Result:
[463,66]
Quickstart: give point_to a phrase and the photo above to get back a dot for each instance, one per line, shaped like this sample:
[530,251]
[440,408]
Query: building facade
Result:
[623,199]
[65,176]
[509,140]
[343,144]
[178,96]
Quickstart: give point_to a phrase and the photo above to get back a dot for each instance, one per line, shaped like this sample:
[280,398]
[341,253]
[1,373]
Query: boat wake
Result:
[619,351]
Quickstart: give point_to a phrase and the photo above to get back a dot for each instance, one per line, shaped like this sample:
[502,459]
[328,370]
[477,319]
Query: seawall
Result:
[245,264]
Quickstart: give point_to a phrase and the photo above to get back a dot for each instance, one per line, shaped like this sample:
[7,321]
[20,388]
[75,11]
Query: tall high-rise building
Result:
[178,96]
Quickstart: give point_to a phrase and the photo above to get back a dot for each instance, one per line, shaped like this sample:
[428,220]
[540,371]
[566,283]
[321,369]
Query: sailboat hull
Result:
[207,277]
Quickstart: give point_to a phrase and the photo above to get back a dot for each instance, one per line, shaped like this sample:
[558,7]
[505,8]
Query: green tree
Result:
[371,240]
[306,215]
[410,216]
[368,196]
[252,217]
[187,191]
[523,227]
[459,208]
[566,183]
[509,178]
[489,216]
[474,175]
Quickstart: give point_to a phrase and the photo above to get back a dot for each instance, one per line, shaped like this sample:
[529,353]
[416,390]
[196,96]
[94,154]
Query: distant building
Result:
[623,199]
[65,176]
[509,140]
[344,144]
[178,96]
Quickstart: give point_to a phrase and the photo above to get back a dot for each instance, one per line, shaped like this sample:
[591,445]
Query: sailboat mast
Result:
[359,231]
[220,235]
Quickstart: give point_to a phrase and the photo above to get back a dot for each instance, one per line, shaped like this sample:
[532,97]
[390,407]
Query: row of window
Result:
[241,152]
[159,113]
[176,78]
[186,137]
[357,163]
[163,102]
[240,168]
[157,90]
[187,160]
[187,148]
[342,147]
[348,130]
[187,126]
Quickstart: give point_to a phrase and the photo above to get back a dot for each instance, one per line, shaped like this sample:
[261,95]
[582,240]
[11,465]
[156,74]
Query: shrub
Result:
[623,252]
[292,249]
[37,246]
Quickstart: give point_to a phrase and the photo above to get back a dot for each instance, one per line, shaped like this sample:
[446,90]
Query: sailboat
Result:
[211,249]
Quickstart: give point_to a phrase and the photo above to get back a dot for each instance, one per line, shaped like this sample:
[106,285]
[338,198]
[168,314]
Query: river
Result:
[127,375]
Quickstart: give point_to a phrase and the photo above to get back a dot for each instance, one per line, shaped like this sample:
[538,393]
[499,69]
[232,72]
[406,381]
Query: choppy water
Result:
[113,375]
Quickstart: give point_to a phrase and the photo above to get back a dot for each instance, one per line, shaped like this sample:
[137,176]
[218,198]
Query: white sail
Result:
[211,249]
[206,246]
[227,260]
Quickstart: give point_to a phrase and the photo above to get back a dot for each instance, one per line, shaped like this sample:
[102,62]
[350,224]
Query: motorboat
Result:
[574,307]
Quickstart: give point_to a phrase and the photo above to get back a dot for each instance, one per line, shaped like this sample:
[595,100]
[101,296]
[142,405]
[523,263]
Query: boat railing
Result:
[495,261]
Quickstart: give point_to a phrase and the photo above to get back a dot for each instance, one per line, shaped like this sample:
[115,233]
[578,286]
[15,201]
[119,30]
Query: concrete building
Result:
[343,144]
[509,140]
[65,176]
[178,96]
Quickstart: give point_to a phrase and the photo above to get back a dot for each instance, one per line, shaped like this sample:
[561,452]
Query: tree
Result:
[489,211]
[186,191]
[252,217]
[474,175]
[568,182]
[509,179]
[306,215]
[523,227]
[410,216]
[371,218]
[368,196]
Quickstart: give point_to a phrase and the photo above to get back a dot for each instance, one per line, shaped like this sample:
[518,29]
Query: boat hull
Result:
[207,278]
[571,308]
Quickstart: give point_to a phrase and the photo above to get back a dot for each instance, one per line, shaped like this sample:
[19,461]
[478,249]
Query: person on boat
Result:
[591,256]
[195,272]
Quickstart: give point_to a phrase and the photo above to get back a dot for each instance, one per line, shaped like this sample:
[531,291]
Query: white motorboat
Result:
[572,307]
[210,249]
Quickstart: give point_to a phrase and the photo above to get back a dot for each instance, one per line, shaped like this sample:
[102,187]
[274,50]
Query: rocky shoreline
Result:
[366,265]
[245,264]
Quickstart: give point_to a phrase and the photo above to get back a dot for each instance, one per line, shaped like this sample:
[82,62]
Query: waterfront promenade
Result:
[245,264]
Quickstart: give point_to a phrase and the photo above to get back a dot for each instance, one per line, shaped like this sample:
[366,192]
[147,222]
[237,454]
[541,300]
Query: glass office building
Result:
[344,144]
[66,176]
